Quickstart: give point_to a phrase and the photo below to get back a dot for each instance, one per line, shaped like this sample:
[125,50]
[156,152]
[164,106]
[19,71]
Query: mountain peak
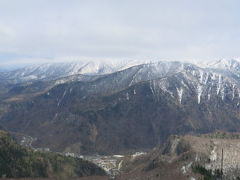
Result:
[226,64]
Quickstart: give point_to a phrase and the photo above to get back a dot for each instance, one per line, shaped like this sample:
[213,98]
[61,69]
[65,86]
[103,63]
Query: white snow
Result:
[222,93]
[209,97]
[186,168]
[233,91]
[118,156]
[137,154]
[201,76]
[214,76]
[199,93]
[134,92]
[206,78]
[120,165]
[219,84]
[180,93]
[213,155]
[59,102]
[127,96]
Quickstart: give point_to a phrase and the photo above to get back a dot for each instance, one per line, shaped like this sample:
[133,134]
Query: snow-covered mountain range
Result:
[57,70]
[137,104]
[221,77]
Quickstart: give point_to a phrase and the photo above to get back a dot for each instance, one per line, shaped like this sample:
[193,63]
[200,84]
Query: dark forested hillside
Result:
[18,162]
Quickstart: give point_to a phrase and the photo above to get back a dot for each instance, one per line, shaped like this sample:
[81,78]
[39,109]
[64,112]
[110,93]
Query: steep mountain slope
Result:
[186,157]
[19,162]
[138,108]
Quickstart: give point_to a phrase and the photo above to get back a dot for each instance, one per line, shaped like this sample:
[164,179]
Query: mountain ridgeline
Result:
[108,110]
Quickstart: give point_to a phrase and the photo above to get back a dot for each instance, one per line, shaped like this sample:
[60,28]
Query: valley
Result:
[121,117]
[119,90]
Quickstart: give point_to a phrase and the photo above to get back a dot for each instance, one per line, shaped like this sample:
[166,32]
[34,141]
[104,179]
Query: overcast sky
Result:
[49,30]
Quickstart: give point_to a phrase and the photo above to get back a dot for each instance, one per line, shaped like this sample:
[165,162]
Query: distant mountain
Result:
[129,109]
[57,70]
[19,162]
[231,64]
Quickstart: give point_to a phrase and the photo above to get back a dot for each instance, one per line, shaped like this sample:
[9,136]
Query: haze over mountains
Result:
[112,108]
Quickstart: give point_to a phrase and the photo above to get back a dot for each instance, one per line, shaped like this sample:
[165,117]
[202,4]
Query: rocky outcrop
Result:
[199,156]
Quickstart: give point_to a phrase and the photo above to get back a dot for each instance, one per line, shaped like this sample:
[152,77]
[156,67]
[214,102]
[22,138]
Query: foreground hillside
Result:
[188,157]
[18,162]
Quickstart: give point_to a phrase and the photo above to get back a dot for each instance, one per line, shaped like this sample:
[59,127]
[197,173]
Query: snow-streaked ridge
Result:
[178,79]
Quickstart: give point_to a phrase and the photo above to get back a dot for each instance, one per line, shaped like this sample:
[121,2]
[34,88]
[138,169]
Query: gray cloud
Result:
[119,29]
